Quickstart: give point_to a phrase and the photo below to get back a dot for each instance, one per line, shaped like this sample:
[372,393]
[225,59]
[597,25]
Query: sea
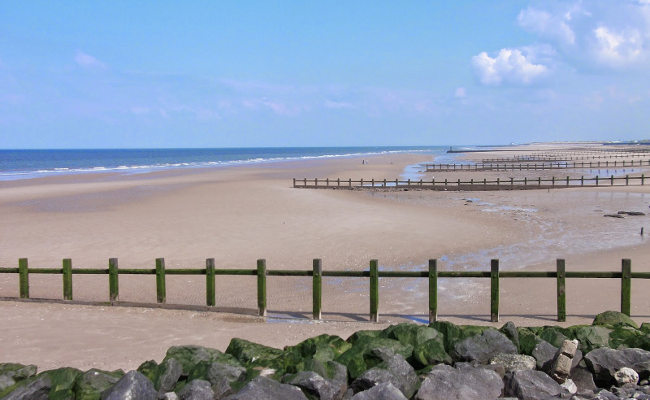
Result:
[28,164]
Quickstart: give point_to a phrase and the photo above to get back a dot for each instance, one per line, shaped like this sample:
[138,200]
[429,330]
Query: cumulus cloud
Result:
[617,48]
[508,66]
[87,61]
[555,26]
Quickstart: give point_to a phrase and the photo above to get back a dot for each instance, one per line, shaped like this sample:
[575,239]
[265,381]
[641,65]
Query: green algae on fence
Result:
[317,287]
[261,287]
[561,290]
[210,298]
[113,280]
[67,279]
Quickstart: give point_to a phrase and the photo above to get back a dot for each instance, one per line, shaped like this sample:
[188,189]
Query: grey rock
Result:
[544,353]
[17,372]
[604,363]
[5,382]
[133,385]
[531,385]
[510,330]
[383,391]
[222,375]
[464,382]
[561,368]
[393,369]
[262,388]
[168,374]
[197,389]
[569,348]
[569,386]
[371,378]
[583,378]
[514,362]
[38,389]
[315,385]
[626,375]
[93,382]
[168,396]
[483,347]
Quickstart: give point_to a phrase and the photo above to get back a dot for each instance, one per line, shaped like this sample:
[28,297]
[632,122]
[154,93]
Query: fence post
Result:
[612,181]
[294,182]
[318,287]
[210,298]
[561,290]
[642,179]
[626,285]
[596,180]
[261,287]
[23,279]
[627,180]
[113,282]
[494,291]
[67,279]
[161,290]
[433,290]
[374,291]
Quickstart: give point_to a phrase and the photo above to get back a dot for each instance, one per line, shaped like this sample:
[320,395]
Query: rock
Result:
[222,376]
[197,389]
[332,370]
[315,385]
[510,330]
[544,353]
[393,369]
[168,396]
[360,357]
[561,368]
[356,336]
[37,388]
[133,385]
[322,348]
[428,343]
[604,363]
[262,388]
[168,373]
[483,347]
[590,337]
[17,372]
[527,340]
[383,391]
[555,335]
[569,386]
[189,356]
[63,382]
[514,362]
[149,369]
[91,384]
[461,383]
[431,352]
[453,334]
[614,318]
[531,385]
[252,354]
[626,375]
[582,378]
[6,382]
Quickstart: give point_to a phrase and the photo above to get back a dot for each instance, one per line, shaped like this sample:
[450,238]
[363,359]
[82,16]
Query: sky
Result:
[125,74]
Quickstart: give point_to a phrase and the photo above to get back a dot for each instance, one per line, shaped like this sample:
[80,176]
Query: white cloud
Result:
[546,24]
[88,61]
[460,93]
[508,66]
[617,49]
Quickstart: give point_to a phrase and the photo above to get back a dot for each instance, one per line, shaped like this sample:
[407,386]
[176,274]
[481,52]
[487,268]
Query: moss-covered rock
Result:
[149,369]
[624,336]
[362,334]
[431,352]
[252,354]
[645,327]
[17,371]
[453,334]
[527,340]
[62,382]
[510,330]
[91,384]
[323,347]
[360,357]
[189,356]
[412,334]
[590,336]
[614,318]
[555,335]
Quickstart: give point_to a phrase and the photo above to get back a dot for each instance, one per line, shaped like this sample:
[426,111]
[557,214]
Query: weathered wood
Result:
[374,291]
[561,290]
[113,280]
[261,287]
[317,284]
[23,278]
[161,290]
[494,290]
[210,297]
[433,290]
[67,279]
[626,285]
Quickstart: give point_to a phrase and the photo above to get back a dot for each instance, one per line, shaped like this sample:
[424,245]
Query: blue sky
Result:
[273,73]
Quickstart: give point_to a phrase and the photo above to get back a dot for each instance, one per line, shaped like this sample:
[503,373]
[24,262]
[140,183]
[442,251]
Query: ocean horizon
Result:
[35,163]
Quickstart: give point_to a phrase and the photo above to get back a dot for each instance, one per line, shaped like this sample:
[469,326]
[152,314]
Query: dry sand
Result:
[237,215]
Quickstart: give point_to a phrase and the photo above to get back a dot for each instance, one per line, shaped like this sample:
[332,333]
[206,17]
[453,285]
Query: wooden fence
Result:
[317,273]
[534,166]
[470,185]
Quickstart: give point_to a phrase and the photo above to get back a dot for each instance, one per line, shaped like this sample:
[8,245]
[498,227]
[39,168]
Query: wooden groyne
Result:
[469,185]
[560,157]
[432,274]
[533,166]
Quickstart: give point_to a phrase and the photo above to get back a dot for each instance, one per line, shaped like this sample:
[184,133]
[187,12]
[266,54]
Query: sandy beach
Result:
[240,214]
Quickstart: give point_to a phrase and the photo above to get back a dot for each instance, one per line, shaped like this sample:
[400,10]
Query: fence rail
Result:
[532,166]
[317,273]
[562,157]
[470,185]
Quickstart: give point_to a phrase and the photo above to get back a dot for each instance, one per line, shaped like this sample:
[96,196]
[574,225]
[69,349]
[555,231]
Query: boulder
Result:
[623,336]
[393,369]
[36,388]
[431,352]
[368,333]
[510,330]
[333,370]
[544,353]
[322,348]
[583,378]
[197,389]
[167,374]
[91,384]
[63,382]
[149,369]
[481,348]
[531,385]
[17,372]
[614,318]
[461,383]
[252,354]
[189,356]
[411,334]
[453,334]
[604,363]
[625,376]
[224,378]
[360,356]
[383,391]
[555,335]
[262,388]
[315,385]
[133,385]
[514,362]
[590,336]
[6,382]
[527,340]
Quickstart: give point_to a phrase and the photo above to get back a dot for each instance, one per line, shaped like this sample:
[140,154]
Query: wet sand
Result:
[237,215]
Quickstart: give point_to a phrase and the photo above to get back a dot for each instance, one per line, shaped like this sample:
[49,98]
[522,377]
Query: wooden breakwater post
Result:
[261,287]
[374,291]
[23,278]
[67,279]
[494,290]
[161,289]
[561,289]
[210,299]
[317,279]
[113,280]
[626,285]
[433,290]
